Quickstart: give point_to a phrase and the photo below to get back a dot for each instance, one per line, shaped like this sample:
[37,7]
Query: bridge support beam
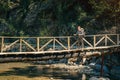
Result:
[102,64]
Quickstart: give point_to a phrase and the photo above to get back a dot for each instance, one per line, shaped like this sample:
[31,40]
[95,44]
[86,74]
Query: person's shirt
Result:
[83,32]
[80,32]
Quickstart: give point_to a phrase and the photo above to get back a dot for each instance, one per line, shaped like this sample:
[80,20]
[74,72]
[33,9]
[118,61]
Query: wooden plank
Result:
[2,44]
[105,40]
[38,43]
[118,39]
[94,40]
[56,36]
[68,43]
[20,44]
[61,51]
[54,44]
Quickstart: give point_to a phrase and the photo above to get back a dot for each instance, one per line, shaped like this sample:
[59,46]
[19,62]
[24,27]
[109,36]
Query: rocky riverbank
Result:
[62,70]
[92,67]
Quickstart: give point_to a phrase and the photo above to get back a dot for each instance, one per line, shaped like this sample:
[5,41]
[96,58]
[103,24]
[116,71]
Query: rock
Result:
[104,78]
[98,67]
[63,60]
[93,78]
[115,72]
[96,78]
[83,77]
[72,61]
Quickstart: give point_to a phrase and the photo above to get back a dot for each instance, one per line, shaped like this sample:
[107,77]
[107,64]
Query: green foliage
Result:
[58,17]
[106,12]
[6,29]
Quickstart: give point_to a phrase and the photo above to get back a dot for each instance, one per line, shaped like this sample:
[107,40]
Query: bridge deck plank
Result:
[62,51]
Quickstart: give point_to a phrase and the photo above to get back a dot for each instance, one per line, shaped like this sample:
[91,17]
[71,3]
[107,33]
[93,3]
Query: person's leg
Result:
[79,42]
[82,42]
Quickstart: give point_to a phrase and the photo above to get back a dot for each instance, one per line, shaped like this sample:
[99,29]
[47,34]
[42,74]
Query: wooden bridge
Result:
[42,45]
[44,48]
[62,44]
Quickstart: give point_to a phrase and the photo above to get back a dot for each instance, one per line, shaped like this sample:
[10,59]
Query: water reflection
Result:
[57,71]
[52,72]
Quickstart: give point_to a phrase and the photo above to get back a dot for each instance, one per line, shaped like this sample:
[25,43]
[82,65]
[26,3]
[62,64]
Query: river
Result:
[36,71]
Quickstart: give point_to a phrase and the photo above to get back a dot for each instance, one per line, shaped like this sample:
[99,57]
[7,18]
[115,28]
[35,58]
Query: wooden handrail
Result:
[66,42]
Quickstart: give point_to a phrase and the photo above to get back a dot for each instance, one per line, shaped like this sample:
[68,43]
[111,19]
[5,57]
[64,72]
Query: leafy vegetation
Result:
[57,17]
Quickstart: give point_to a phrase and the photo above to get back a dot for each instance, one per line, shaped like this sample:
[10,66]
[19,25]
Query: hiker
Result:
[80,33]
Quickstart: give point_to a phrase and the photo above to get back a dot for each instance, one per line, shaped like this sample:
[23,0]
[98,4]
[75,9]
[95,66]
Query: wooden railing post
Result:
[20,44]
[105,40]
[54,44]
[38,43]
[118,36]
[68,43]
[94,41]
[2,44]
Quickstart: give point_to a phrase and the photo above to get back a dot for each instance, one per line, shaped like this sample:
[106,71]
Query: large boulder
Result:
[96,78]
[115,72]
[98,67]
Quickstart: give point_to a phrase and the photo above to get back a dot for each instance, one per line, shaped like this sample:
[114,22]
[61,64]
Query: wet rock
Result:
[98,67]
[63,60]
[115,72]
[93,78]
[71,61]
[96,78]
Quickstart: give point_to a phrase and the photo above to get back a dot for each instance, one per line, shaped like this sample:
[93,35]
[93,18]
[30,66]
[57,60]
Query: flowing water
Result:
[29,71]
[33,71]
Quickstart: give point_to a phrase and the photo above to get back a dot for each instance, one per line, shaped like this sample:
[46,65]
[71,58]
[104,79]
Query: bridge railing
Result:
[62,43]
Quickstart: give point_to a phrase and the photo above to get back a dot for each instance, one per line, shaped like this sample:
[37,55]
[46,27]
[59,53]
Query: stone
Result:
[115,72]
[96,78]
[98,67]
[93,78]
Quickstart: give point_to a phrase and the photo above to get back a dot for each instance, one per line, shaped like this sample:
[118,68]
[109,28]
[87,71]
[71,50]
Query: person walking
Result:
[80,33]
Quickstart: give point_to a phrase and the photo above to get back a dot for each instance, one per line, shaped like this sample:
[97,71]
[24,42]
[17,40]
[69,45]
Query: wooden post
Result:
[2,44]
[20,44]
[102,64]
[38,43]
[68,43]
[54,44]
[105,40]
[94,41]
[118,36]
[82,43]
